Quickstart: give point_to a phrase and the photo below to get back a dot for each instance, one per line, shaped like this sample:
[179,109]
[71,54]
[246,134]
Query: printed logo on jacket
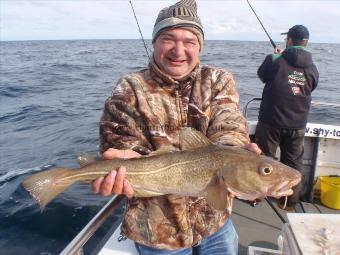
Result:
[296,79]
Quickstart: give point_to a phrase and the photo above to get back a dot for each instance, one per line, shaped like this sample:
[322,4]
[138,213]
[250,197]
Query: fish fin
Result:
[45,186]
[216,194]
[190,138]
[145,193]
[85,159]
[162,150]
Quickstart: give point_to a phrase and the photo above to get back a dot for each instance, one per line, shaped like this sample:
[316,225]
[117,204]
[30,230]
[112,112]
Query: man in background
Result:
[290,76]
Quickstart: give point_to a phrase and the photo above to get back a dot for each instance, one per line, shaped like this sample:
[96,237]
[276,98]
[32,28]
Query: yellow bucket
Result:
[330,191]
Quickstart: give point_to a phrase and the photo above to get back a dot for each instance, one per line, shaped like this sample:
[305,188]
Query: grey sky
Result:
[107,19]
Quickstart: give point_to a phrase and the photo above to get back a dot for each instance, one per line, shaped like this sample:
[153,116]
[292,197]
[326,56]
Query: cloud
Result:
[65,19]
[80,19]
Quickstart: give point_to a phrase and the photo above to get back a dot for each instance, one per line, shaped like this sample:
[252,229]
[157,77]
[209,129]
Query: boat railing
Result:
[245,113]
[315,103]
[75,247]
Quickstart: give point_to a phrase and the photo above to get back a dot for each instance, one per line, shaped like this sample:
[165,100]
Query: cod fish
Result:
[199,169]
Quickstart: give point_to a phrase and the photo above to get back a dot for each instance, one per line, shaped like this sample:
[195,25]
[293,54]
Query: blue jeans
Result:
[223,242]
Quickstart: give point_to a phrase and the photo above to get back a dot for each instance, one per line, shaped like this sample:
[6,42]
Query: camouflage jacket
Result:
[144,113]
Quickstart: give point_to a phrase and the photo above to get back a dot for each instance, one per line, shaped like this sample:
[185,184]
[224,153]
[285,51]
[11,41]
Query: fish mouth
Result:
[285,188]
[283,193]
[282,189]
[242,195]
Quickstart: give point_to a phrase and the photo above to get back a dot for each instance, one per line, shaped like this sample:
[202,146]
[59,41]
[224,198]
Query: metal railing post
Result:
[75,246]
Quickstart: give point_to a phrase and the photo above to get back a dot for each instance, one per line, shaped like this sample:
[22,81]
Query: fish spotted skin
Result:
[201,169]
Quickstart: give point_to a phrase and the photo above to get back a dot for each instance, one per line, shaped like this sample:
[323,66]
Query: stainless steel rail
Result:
[325,104]
[246,107]
[76,245]
[314,103]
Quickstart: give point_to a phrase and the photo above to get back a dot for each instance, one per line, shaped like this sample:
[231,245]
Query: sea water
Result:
[51,97]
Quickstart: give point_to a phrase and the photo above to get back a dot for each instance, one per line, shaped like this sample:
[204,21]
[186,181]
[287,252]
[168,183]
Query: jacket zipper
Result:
[178,106]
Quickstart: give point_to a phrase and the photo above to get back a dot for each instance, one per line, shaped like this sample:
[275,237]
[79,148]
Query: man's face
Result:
[176,52]
[289,41]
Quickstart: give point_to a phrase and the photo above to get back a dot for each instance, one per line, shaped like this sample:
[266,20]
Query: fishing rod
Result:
[270,39]
[140,31]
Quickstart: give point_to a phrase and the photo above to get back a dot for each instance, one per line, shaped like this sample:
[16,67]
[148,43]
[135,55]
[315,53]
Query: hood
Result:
[297,57]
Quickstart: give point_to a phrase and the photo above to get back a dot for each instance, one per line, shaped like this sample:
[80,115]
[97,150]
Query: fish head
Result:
[256,177]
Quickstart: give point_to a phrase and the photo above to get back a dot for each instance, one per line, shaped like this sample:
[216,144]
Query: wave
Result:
[35,113]
[13,90]
[67,66]
[16,173]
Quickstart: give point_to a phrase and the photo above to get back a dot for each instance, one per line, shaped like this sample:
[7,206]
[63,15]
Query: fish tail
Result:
[45,186]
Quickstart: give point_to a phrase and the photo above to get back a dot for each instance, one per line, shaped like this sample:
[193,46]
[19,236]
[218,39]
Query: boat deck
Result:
[257,226]
[260,226]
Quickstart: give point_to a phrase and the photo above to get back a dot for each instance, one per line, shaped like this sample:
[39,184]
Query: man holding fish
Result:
[177,128]
[145,113]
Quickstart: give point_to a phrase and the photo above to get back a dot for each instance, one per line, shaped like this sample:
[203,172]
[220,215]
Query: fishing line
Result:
[285,204]
[147,53]
[140,31]
[270,39]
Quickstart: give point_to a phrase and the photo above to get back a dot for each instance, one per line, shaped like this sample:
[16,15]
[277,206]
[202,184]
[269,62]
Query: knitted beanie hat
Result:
[182,14]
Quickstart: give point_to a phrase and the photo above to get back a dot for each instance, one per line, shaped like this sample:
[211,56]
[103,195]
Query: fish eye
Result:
[265,169]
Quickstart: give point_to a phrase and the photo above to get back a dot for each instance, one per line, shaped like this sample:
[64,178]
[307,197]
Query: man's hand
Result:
[114,181]
[124,154]
[253,147]
[278,50]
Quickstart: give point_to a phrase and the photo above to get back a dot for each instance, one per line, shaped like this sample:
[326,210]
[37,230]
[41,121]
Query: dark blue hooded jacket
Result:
[289,80]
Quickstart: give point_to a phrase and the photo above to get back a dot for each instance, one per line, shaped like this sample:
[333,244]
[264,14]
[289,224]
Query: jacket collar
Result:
[296,47]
